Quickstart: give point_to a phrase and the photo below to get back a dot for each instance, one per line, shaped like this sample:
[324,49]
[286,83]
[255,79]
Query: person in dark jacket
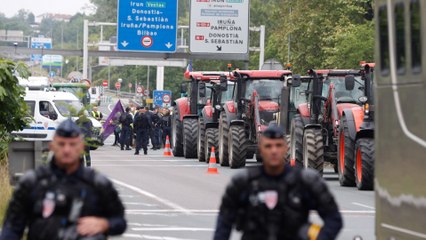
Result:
[143,126]
[166,125]
[273,201]
[86,126]
[126,120]
[156,129]
[64,200]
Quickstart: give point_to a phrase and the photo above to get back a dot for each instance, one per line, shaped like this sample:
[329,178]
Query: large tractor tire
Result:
[201,139]
[177,135]
[238,146]
[223,140]
[313,150]
[345,155]
[190,133]
[296,136]
[364,166]
[212,140]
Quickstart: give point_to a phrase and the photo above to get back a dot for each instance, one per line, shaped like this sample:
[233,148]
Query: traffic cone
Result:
[292,162]
[167,151]
[212,163]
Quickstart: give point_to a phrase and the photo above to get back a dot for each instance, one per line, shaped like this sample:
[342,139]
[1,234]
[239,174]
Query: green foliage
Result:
[14,109]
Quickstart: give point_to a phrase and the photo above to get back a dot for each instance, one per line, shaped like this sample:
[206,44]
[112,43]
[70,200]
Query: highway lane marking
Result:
[363,205]
[150,165]
[166,202]
[175,229]
[213,211]
[109,107]
[404,230]
[140,204]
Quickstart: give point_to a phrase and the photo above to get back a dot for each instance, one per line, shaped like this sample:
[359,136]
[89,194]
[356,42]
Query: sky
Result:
[10,8]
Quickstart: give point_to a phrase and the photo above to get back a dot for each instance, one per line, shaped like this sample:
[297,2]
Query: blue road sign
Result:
[162,98]
[147,25]
[40,43]
[52,74]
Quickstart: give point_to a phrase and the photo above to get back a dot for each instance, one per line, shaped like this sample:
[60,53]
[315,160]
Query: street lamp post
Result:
[118,89]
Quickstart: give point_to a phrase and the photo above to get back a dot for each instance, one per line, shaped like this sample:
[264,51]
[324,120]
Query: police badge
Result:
[48,205]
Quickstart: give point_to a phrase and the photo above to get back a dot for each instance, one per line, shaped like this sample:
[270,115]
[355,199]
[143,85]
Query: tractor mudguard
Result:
[351,123]
[310,126]
[304,110]
[182,106]
[229,114]
[236,122]
[190,116]
[212,125]
[366,130]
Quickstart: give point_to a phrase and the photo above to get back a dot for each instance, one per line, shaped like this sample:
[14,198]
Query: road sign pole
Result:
[160,77]
[262,46]
[85,47]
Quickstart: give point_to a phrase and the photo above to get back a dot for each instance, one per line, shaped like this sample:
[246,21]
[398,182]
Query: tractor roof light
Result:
[366,108]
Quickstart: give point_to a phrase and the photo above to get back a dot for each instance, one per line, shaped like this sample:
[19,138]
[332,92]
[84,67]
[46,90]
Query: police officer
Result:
[143,126]
[273,201]
[126,120]
[166,124]
[86,126]
[64,200]
[97,114]
[156,129]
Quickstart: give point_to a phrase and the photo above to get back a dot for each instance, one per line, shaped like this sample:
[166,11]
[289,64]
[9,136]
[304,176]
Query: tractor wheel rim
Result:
[342,151]
[359,165]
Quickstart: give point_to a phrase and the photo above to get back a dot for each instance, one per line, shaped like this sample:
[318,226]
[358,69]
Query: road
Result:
[175,198]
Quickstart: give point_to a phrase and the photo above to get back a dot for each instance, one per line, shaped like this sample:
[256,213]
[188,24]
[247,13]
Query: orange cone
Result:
[212,163]
[167,151]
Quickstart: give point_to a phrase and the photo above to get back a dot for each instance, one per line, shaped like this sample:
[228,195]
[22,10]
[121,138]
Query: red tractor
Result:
[315,129]
[256,97]
[186,121]
[356,135]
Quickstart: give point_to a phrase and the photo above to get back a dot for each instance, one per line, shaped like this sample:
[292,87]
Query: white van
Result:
[48,109]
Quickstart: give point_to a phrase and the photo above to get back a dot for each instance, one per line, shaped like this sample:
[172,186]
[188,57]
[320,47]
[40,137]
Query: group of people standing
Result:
[142,125]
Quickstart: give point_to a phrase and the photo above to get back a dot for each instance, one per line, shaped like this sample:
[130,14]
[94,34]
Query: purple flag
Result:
[112,120]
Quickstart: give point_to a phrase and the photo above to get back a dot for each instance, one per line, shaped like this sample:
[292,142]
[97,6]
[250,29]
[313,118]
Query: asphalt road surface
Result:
[174,198]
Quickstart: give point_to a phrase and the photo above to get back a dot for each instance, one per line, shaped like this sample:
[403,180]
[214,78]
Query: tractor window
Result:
[416,43]
[267,89]
[400,38]
[384,41]
[343,95]
[227,95]
[298,95]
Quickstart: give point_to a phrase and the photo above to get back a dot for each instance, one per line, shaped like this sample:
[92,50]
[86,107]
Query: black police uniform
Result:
[143,126]
[156,131]
[49,202]
[277,207]
[166,125]
[86,126]
[126,130]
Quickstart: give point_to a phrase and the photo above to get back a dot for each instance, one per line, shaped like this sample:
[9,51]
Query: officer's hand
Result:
[89,226]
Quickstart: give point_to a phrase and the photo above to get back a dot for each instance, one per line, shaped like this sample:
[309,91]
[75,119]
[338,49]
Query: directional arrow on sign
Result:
[219,48]
[124,43]
[169,45]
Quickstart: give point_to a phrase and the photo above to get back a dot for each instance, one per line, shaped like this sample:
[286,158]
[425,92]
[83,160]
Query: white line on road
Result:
[140,204]
[109,107]
[156,198]
[175,229]
[404,230]
[362,205]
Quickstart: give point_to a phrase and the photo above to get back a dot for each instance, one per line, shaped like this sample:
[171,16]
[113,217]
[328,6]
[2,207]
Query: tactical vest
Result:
[73,197]
[274,208]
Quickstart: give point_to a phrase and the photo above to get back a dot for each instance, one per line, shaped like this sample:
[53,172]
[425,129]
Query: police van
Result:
[47,109]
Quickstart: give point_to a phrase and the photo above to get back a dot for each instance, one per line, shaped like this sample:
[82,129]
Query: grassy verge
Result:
[5,191]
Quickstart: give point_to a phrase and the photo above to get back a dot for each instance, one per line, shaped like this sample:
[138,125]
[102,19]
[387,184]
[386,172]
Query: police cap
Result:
[68,129]
[273,132]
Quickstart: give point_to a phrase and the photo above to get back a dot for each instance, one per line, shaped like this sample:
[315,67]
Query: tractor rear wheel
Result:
[237,150]
[201,139]
[287,156]
[190,133]
[345,155]
[177,135]
[223,140]
[313,151]
[364,166]
[296,136]
[211,141]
